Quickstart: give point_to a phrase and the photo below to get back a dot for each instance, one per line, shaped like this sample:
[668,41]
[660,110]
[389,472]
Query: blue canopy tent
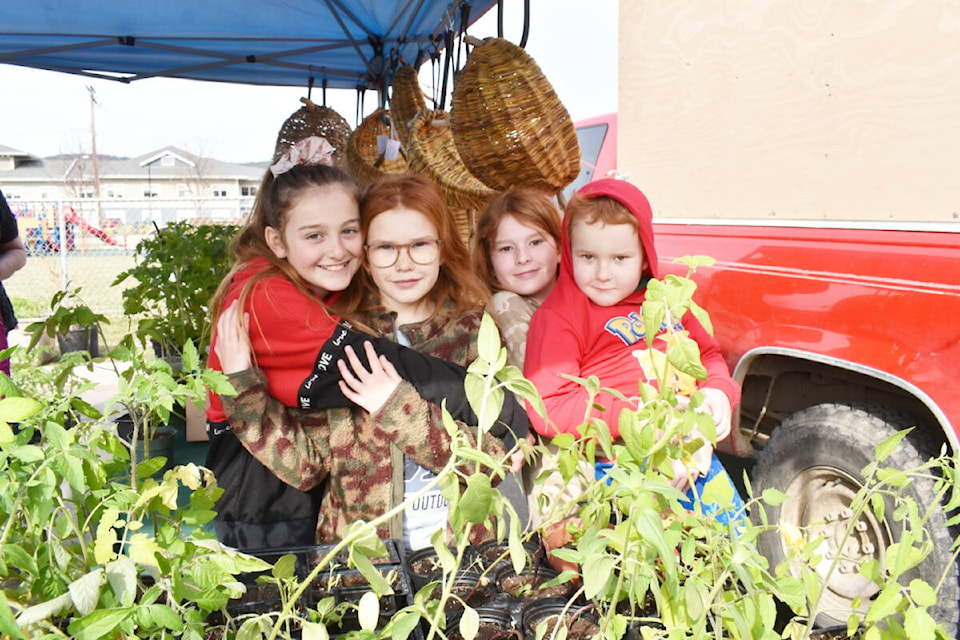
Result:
[345,44]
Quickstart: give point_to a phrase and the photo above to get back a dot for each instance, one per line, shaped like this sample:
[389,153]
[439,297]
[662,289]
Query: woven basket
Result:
[311,120]
[432,152]
[508,123]
[362,159]
[406,100]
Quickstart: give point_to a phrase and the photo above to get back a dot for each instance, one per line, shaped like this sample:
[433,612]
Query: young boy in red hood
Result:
[592,324]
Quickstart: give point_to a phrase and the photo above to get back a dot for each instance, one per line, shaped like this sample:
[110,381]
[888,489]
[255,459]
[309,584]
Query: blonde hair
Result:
[530,207]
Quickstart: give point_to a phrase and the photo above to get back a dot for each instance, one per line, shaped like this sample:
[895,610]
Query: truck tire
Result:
[815,457]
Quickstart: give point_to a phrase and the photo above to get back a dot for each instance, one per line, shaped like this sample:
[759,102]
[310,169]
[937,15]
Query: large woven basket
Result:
[508,123]
[432,152]
[313,120]
[362,160]
[406,100]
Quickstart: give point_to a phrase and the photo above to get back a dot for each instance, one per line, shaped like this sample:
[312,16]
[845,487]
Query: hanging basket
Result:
[363,159]
[508,123]
[406,100]
[431,151]
[313,120]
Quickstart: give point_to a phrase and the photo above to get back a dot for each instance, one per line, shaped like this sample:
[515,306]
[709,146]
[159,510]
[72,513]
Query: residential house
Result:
[156,188]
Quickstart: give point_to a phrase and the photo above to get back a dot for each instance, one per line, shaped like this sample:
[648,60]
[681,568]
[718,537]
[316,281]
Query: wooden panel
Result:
[823,109]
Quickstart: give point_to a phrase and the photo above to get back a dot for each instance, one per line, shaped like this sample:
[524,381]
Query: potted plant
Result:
[173,282]
[149,391]
[88,551]
[74,324]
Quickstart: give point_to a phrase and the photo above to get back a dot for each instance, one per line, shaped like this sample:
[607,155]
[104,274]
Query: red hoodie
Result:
[570,334]
[287,329]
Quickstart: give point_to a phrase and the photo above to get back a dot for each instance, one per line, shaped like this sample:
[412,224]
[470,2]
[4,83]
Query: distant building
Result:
[159,187]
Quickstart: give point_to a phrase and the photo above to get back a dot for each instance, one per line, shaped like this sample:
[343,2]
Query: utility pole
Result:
[93,153]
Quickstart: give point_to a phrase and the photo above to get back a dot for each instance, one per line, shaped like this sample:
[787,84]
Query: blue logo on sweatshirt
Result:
[630,328]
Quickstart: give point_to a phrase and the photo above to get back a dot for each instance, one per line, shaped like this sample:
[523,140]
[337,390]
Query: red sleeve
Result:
[287,329]
[553,346]
[718,373]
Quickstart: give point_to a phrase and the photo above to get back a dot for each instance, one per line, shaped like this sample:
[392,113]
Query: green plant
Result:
[67,311]
[173,282]
[150,390]
[87,551]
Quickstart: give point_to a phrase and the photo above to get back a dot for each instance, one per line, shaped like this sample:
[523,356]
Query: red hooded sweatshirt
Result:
[286,331]
[570,334]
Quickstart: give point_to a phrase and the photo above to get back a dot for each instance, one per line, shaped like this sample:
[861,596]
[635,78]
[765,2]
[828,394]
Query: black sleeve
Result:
[435,380]
[8,222]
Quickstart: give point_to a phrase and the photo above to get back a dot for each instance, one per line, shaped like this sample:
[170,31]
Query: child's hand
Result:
[368,389]
[233,342]
[516,461]
[717,405]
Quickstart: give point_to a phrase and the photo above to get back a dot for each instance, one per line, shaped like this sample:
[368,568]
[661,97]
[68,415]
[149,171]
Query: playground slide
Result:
[71,216]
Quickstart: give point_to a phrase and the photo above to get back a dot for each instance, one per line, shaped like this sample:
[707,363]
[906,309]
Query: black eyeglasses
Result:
[385,254]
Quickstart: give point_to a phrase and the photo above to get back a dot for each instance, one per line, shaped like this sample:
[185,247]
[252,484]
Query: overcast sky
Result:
[44,113]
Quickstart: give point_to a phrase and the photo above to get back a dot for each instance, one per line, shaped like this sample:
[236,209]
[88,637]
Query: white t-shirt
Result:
[428,513]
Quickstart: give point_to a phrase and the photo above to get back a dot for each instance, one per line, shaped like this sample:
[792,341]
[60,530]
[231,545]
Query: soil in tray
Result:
[579,629]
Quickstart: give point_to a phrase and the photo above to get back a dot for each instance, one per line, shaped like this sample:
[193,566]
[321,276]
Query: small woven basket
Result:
[406,100]
[508,123]
[311,120]
[431,151]
[362,159]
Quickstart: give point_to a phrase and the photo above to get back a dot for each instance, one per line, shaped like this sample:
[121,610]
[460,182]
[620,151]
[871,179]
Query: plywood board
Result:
[818,109]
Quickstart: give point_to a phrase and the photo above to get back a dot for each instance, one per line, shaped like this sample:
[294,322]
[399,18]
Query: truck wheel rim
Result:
[819,502]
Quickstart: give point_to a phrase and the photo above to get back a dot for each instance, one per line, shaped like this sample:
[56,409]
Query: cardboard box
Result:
[196,423]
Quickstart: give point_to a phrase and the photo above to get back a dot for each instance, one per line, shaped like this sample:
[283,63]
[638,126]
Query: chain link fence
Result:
[85,243]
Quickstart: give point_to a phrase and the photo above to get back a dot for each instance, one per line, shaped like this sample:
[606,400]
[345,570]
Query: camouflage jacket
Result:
[512,313]
[357,456]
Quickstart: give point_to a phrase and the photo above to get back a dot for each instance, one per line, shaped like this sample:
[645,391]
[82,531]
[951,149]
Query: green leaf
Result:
[654,312]
[885,604]
[8,625]
[488,339]
[285,567]
[85,591]
[98,623]
[18,409]
[685,356]
[469,623]
[44,610]
[888,446]
[369,611]
[774,497]
[313,631]
[922,593]
[477,498]
[597,571]
[165,617]
[918,623]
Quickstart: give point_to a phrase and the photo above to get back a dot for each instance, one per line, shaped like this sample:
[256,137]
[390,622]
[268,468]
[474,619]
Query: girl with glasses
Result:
[300,249]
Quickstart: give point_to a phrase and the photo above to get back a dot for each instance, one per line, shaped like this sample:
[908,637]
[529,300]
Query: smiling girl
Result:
[298,252]
[516,252]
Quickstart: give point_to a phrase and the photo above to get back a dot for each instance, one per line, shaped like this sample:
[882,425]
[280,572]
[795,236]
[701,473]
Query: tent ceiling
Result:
[347,43]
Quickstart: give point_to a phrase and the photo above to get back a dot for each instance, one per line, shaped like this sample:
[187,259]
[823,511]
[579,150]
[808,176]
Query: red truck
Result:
[840,334]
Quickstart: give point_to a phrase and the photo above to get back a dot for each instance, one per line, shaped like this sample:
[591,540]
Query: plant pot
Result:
[580,623]
[529,583]
[422,565]
[468,587]
[493,555]
[162,443]
[495,622]
[80,339]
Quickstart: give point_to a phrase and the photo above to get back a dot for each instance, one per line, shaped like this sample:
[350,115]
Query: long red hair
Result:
[458,289]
